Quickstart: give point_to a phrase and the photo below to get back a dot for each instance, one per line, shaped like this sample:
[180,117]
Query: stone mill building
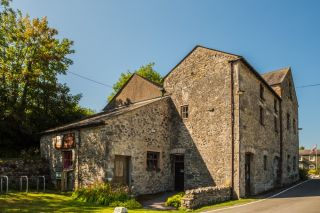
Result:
[215,121]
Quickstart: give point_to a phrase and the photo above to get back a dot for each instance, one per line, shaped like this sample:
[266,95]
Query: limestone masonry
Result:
[216,124]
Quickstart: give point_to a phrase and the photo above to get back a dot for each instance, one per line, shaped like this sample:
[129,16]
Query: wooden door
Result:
[179,172]
[121,170]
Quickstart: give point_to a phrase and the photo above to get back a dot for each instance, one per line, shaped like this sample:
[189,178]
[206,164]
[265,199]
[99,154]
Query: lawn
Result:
[62,202]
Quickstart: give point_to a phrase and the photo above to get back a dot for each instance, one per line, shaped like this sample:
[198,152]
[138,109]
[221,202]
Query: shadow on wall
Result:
[196,172]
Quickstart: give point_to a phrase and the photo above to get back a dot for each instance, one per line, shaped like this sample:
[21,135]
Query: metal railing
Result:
[27,183]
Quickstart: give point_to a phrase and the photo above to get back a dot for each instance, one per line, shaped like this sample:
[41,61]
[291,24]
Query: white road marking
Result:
[246,204]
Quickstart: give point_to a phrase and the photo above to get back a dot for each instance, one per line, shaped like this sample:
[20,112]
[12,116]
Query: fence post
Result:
[7,180]
[27,183]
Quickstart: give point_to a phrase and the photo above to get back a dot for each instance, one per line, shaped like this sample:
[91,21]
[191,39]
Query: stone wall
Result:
[202,81]
[129,134]
[259,140]
[290,136]
[196,198]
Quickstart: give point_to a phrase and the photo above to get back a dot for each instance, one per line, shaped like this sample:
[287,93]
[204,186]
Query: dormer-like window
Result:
[261,92]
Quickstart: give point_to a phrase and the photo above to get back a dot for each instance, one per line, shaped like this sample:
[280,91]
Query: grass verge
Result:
[63,202]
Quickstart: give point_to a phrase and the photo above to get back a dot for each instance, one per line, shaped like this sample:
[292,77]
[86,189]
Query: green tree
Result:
[31,58]
[302,148]
[146,71]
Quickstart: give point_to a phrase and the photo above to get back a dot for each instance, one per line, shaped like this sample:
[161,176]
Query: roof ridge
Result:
[277,70]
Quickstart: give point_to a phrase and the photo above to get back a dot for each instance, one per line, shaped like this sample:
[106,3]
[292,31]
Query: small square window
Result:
[265,162]
[288,121]
[185,111]
[275,105]
[312,166]
[261,115]
[153,161]
[312,158]
[275,124]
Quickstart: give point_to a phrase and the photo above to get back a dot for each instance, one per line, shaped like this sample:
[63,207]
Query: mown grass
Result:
[63,202]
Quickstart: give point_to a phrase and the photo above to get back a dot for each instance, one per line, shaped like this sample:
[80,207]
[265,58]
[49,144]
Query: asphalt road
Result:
[303,198]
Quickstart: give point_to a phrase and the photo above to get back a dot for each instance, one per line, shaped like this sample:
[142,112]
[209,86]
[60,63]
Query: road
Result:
[304,198]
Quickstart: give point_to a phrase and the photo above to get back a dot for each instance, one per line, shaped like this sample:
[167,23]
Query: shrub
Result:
[312,172]
[303,174]
[175,200]
[105,194]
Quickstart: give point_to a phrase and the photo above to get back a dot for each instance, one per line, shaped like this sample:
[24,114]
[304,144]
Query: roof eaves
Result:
[257,75]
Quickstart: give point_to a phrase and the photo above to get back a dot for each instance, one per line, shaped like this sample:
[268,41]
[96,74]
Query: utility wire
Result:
[310,85]
[106,85]
[89,79]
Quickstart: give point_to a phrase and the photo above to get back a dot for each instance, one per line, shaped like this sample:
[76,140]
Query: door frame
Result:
[181,161]
[126,168]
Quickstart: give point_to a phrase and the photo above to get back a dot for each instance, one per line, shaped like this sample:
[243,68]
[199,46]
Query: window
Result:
[275,105]
[275,124]
[301,158]
[312,166]
[67,160]
[153,161]
[294,163]
[261,116]
[312,158]
[185,111]
[294,126]
[265,162]
[288,121]
[261,92]
[288,163]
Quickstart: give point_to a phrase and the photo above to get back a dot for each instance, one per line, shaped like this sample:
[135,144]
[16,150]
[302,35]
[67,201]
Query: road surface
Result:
[304,198]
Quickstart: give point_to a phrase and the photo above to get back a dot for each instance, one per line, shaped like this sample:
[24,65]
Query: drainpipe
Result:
[78,164]
[281,143]
[232,128]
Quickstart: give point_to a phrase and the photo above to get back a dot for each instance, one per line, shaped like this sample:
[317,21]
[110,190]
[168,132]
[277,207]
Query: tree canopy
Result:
[31,58]
[146,71]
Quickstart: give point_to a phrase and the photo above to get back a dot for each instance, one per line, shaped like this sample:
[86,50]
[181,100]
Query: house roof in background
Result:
[276,76]
[308,152]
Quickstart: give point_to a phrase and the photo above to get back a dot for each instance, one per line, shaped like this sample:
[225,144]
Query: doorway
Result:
[122,170]
[178,172]
[248,174]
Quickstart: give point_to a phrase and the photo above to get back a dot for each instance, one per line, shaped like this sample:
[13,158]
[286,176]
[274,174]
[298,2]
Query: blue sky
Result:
[115,36]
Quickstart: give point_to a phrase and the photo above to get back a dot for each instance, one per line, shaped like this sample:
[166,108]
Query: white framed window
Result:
[300,158]
[312,158]
[312,166]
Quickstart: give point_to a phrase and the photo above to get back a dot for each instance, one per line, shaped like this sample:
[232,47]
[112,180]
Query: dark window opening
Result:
[275,124]
[67,160]
[261,115]
[261,92]
[294,126]
[288,121]
[185,111]
[275,105]
[153,161]
[265,162]
[294,163]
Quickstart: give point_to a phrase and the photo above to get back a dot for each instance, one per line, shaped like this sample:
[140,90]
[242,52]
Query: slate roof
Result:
[99,118]
[275,77]
[308,152]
